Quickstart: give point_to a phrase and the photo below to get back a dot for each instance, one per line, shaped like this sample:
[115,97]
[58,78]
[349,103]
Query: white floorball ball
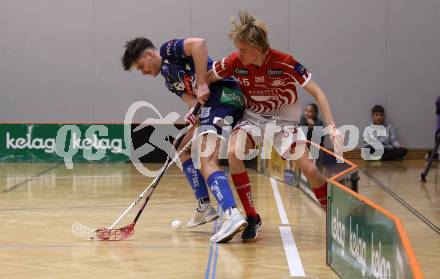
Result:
[176,225]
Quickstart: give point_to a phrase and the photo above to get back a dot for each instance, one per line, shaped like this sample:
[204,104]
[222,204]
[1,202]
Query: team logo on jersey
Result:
[275,72]
[300,69]
[259,79]
[188,82]
[241,71]
[277,82]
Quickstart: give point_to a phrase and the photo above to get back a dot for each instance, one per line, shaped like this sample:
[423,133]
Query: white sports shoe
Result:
[203,215]
[233,223]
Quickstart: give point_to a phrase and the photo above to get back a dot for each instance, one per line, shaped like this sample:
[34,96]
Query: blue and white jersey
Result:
[179,70]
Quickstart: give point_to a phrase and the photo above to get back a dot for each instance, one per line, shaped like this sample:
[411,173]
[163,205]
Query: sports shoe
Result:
[202,215]
[254,226]
[233,223]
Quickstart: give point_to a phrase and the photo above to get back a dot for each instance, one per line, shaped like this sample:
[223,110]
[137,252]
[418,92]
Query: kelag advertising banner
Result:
[54,142]
[363,242]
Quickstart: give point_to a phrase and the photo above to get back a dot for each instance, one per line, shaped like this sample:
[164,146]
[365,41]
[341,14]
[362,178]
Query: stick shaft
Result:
[154,183]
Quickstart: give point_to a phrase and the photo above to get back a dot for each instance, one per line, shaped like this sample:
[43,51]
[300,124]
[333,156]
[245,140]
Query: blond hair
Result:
[248,28]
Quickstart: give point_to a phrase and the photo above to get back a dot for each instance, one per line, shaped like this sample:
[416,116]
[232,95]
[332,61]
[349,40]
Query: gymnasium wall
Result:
[60,60]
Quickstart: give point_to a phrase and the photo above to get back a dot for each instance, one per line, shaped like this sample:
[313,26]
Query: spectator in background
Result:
[393,150]
[309,120]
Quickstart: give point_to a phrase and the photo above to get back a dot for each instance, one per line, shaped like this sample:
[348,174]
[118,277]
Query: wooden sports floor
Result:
[39,203]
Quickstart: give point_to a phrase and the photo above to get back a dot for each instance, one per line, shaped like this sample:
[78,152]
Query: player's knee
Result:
[232,157]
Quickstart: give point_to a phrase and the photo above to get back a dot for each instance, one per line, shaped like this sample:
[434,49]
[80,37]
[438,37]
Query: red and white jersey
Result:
[270,89]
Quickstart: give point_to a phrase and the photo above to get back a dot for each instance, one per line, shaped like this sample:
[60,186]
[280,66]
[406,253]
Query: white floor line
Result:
[279,202]
[292,254]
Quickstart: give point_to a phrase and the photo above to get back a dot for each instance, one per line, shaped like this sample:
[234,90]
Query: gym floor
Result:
[39,203]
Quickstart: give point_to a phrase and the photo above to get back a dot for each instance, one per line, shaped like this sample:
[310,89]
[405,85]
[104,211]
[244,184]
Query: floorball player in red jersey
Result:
[268,79]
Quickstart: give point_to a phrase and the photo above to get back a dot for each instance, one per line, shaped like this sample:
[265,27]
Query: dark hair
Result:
[134,50]
[377,108]
[315,107]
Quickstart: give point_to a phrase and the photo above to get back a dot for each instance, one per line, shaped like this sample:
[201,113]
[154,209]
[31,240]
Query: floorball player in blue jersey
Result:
[184,63]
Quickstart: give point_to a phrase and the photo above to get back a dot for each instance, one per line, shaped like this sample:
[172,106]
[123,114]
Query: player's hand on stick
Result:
[191,118]
[202,93]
